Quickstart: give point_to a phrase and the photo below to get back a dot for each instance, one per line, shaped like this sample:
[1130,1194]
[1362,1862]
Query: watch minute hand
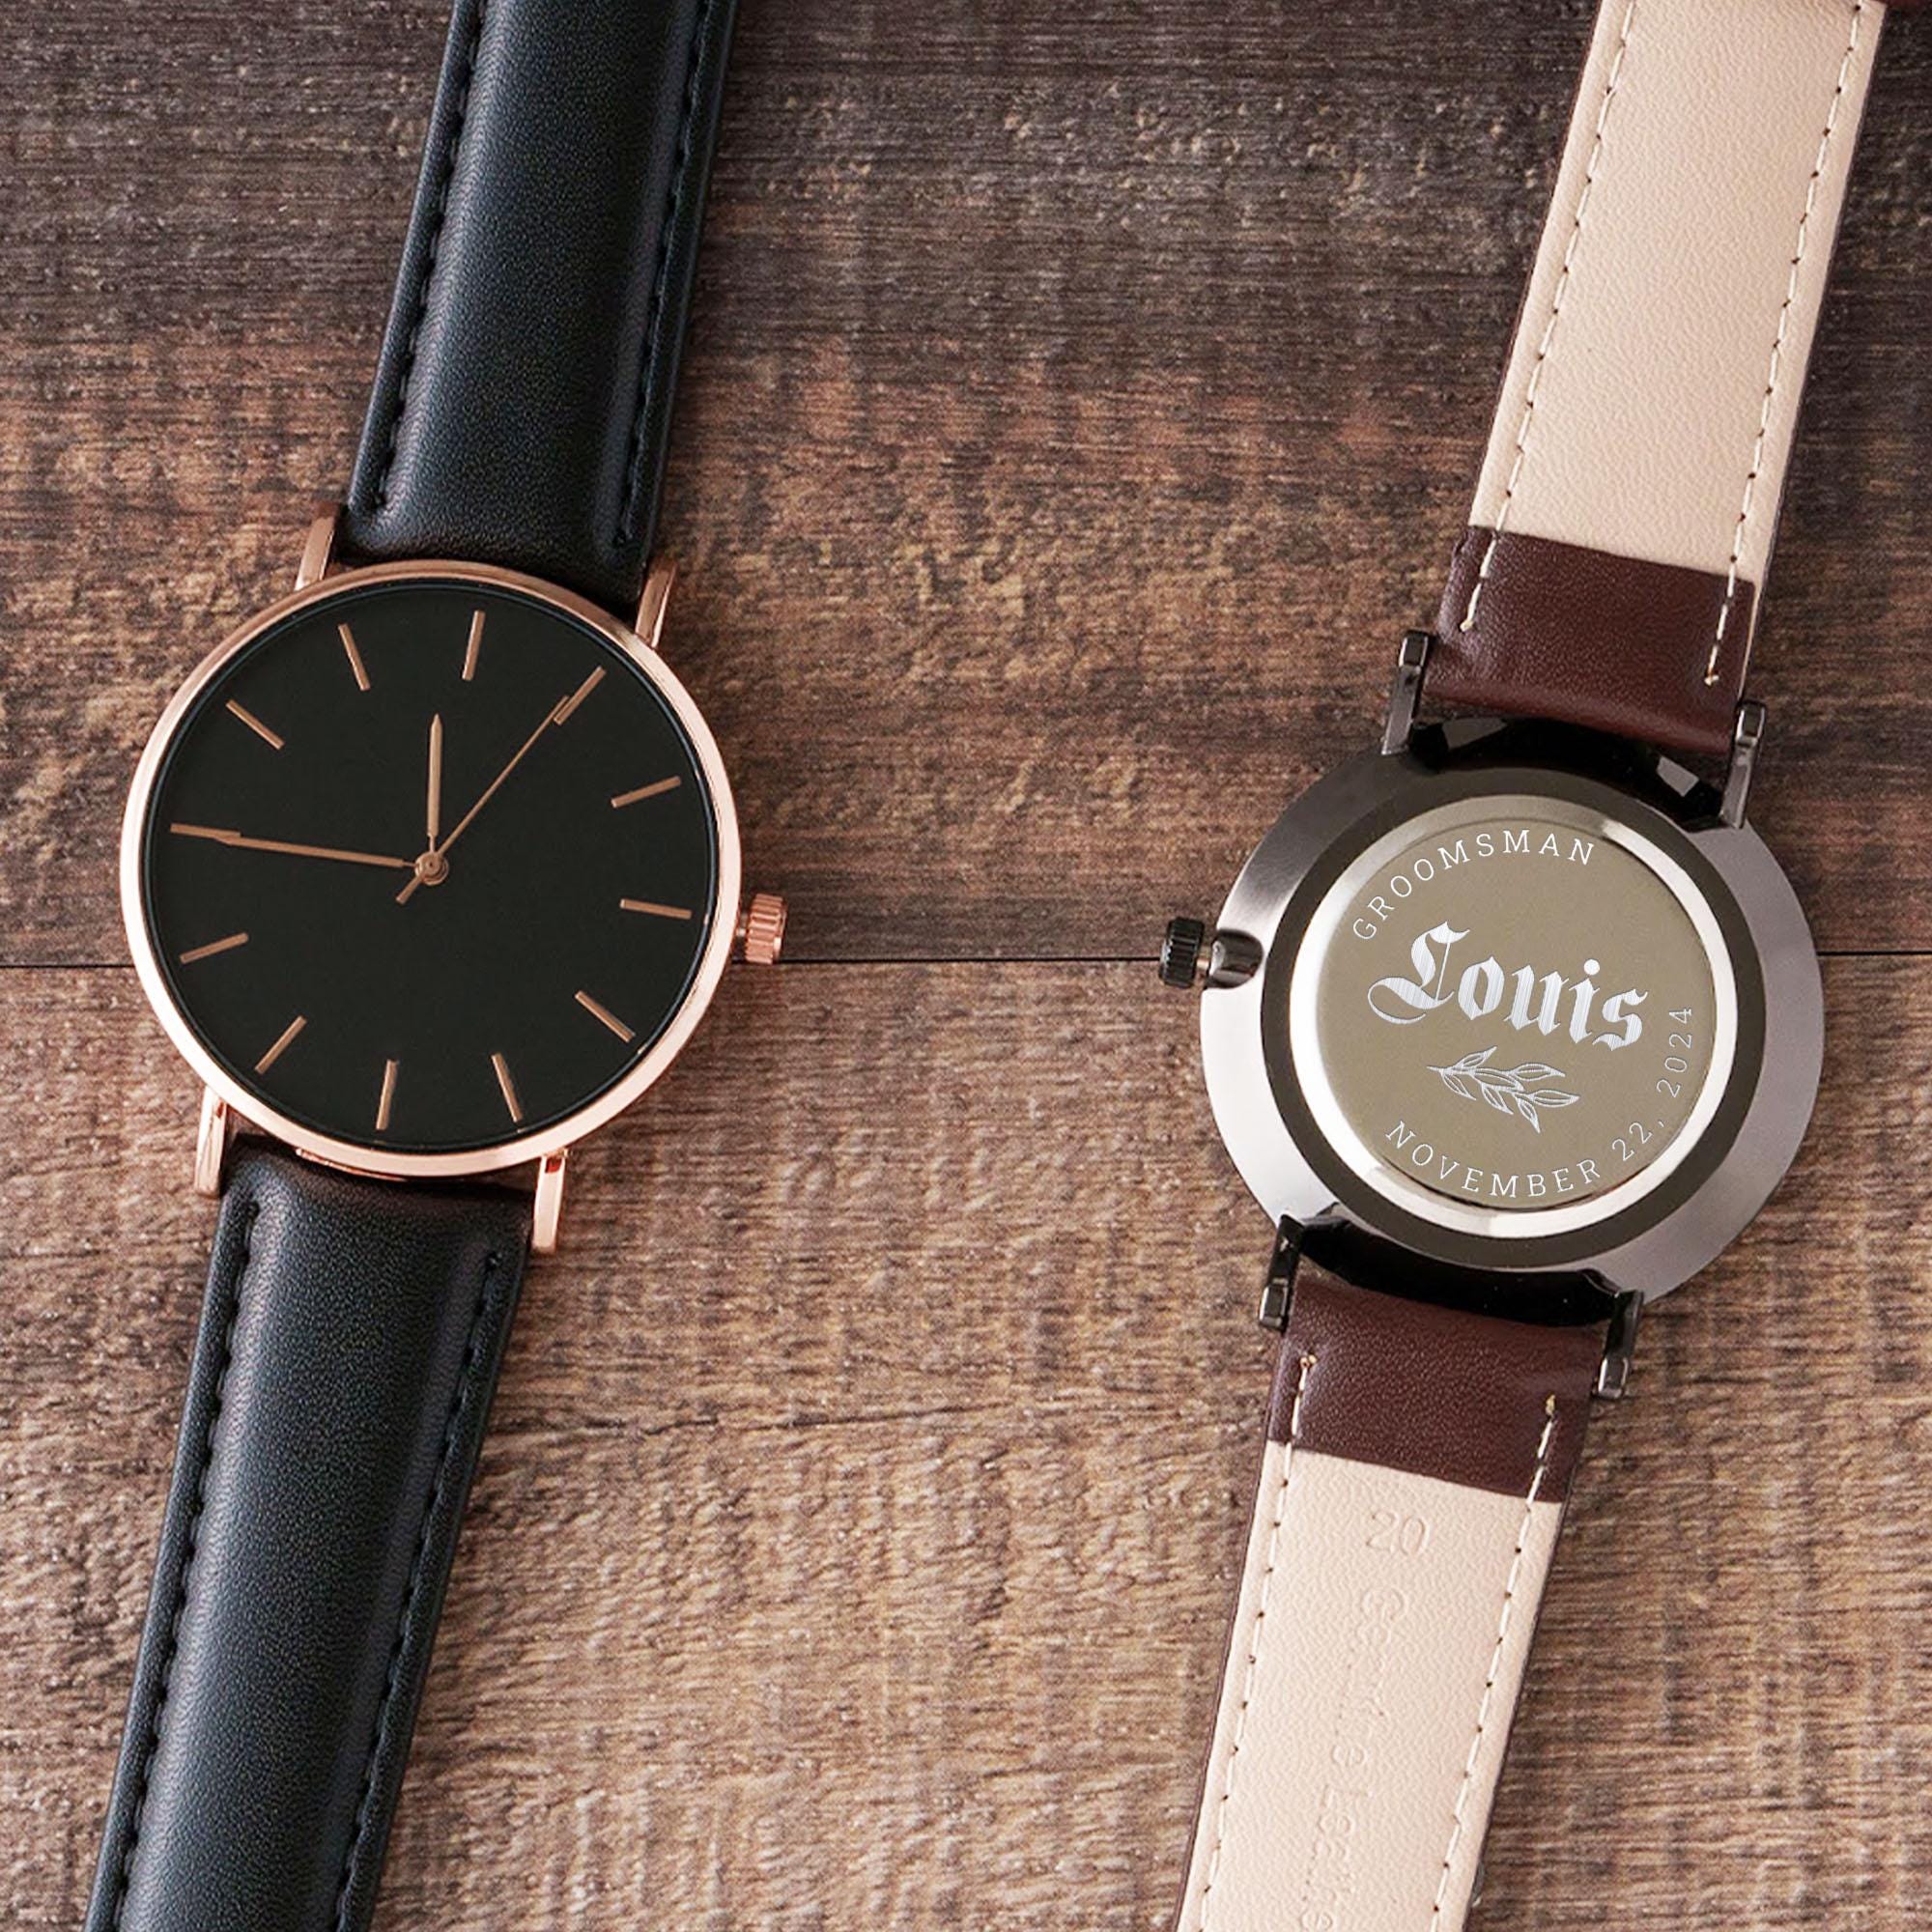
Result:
[222,835]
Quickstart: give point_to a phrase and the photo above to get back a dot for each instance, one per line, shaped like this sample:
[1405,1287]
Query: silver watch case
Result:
[1657,1242]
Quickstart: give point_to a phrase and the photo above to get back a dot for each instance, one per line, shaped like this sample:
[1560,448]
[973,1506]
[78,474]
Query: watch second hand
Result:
[222,836]
[555,715]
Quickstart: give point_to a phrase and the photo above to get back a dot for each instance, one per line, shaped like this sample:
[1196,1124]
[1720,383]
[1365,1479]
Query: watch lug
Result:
[211,1144]
[548,1212]
[318,551]
[1619,1347]
[1746,735]
[1406,692]
[1278,1284]
[652,604]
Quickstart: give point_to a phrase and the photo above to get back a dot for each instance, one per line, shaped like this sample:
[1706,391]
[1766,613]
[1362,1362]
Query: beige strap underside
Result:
[1652,387]
[1378,1646]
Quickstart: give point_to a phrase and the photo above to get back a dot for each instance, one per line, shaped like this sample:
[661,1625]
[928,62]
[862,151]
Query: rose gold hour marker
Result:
[214,946]
[660,911]
[388,1095]
[281,1046]
[508,1086]
[356,664]
[578,696]
[255,725]
[474,645]
[625,798]
[605,1014]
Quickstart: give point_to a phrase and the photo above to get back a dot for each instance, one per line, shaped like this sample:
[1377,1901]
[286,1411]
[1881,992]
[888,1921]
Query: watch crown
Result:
[762,930]
[1181,953]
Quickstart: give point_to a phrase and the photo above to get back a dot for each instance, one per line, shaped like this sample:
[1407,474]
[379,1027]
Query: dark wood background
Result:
[1082,399]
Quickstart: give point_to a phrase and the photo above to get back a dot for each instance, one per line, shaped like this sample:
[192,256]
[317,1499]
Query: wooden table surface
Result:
[1082,399]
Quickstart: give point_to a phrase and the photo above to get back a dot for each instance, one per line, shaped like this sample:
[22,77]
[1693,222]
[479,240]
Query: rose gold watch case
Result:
[383,1162]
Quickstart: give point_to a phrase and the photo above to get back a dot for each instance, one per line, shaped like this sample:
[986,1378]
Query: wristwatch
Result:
[1513,1024]
[428,870]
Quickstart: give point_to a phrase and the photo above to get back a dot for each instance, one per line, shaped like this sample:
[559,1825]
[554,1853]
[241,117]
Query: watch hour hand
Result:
[431,867]
[433,811]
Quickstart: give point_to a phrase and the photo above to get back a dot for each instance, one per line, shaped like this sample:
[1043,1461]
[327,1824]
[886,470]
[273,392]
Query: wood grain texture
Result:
[1082,399]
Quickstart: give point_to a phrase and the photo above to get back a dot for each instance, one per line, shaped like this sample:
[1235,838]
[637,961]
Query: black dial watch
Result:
[428,870]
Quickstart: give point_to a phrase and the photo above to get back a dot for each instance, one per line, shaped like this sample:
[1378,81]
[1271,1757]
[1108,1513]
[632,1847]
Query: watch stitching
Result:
[1776,370]
[431,253]
[459,1401]
[1547,341]
[151,1744]
[1270,1565]
[1495,1658]
[661,283]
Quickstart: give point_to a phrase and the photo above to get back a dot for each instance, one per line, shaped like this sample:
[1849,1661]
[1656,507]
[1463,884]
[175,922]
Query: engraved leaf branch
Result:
[1507,1089]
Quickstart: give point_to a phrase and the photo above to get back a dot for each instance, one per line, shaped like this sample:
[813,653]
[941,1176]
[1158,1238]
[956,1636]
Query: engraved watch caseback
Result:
[1515,1016]
[430,869]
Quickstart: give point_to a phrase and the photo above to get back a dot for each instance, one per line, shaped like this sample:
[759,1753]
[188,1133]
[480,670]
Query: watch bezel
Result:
[1665,1234]
[387,1163]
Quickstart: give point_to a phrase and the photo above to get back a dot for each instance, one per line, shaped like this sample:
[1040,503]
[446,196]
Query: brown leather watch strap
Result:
[1623,521]
[1417,1464]
[1439,1392]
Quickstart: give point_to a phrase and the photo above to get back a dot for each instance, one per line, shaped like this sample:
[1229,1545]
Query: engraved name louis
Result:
[1537,1001]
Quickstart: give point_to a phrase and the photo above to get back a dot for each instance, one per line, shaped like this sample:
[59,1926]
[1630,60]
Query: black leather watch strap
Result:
[349,1347]
[522,399]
